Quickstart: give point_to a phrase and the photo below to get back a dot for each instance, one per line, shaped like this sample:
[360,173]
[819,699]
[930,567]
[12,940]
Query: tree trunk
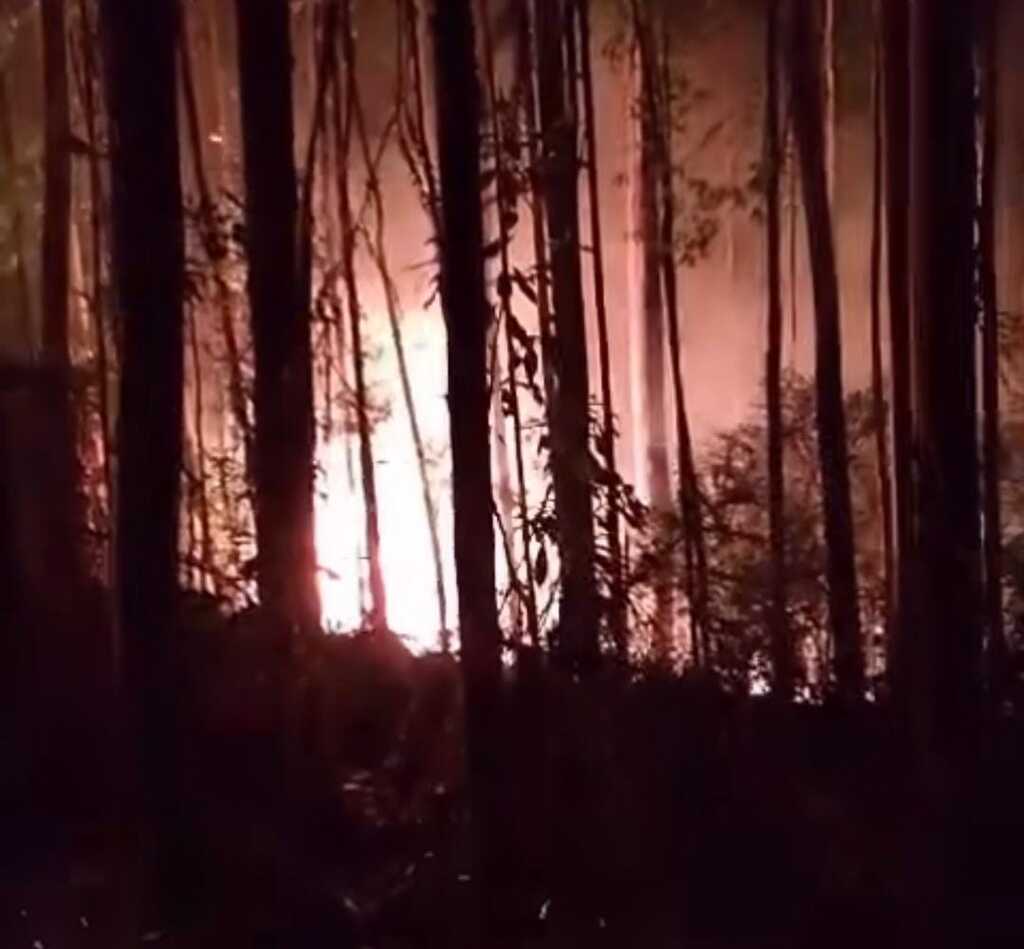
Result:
[652,363]
[284,437]
[507,211]
[689,487]
[990,357]
[878,405]
[944,207]
[7,150]
[578,639]
[617,611]
[896,40]
[65,523]
[841,571]
[343,131]
[148,243]
[782,650]
[467,314]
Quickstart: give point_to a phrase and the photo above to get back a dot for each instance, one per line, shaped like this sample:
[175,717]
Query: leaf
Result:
[540,566]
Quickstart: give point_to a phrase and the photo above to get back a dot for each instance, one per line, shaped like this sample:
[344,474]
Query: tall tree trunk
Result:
[841,571]
[284,436]
[467,314]
[91,113]
[148,243]
[617,612]
[689,487]
[990,355]
[507,211]
[944,207]
[9,154]
[782,650]
[578,639]
[896,40]
[652,363]
[828,58]
[65,522]
[878,405]
[343,130]
[216,253]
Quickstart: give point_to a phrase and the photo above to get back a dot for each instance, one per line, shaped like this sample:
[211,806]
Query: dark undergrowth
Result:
[635,810]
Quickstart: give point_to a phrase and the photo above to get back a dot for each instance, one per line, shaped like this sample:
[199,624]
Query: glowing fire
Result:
[406,557]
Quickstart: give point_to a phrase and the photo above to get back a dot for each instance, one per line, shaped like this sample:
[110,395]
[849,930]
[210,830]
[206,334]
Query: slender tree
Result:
[65,524]
[344,130]
[148,244]
[947,654]
[617,616]
[651,299]
[990,353]
[782,651]
[284,436]
[467,314]
[877,382]
[689,488]
[896,57]
[7,150]
[570,414]
[841,574]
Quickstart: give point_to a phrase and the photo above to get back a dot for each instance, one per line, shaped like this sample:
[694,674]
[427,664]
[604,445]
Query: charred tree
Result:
[841,573]
[467,315]
[283,389]
[148,244]
[578,639]
[782,650]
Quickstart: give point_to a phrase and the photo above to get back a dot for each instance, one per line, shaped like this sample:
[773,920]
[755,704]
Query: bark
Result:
[782,650]
[944,207]
[617,606]
[148,244]
[896,41]
[990,358]
[343,130]
[283,392]
[578,639]
[841,574]
[467,314]
[877,382]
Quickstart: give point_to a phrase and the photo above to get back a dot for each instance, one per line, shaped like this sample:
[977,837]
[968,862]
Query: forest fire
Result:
[515,473]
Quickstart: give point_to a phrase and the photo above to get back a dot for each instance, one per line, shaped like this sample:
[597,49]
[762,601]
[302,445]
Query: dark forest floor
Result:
[657,812]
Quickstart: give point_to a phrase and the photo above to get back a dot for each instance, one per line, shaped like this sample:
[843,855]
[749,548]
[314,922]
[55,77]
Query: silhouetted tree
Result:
[947,651]
[896,55]
[467,315]
[782,650]
[148,245]
[283,390]
[570,413]
[875,290]
[805,74]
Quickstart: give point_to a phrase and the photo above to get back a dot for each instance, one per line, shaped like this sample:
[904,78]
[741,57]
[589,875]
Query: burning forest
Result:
[525,473]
